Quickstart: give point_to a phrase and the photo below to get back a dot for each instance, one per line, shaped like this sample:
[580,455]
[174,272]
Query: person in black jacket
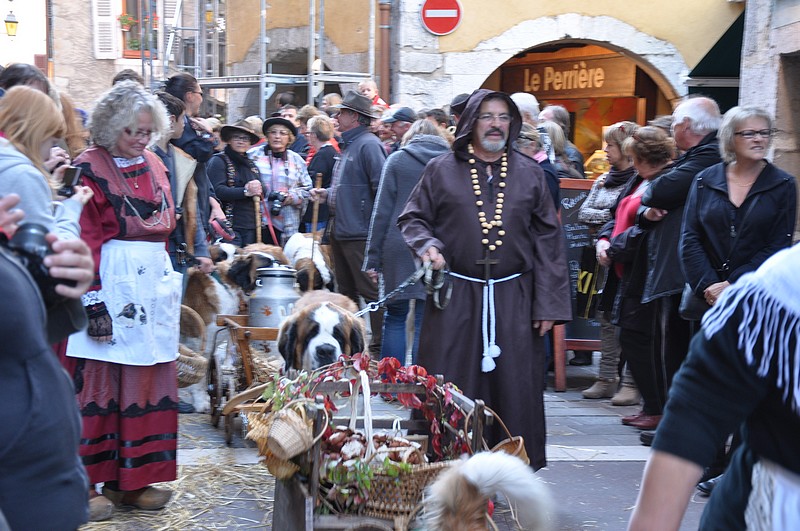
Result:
[319,132]
[236,180]
[199,142]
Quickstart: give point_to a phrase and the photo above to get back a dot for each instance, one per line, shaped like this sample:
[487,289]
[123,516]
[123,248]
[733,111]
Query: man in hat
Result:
[285,179]
[484,213]
[400,120]
[356,176]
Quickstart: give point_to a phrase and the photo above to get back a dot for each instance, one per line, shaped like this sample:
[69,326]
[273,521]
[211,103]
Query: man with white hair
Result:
[694,127]
[529,109]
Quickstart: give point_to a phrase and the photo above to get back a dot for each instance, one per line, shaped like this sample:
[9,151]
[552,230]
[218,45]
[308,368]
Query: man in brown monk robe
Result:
[485,214]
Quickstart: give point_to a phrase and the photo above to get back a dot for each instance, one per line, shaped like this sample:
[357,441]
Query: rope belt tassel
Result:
[488,319]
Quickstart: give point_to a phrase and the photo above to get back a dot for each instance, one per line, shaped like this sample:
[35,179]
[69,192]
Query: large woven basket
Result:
[398,496]
[191,366]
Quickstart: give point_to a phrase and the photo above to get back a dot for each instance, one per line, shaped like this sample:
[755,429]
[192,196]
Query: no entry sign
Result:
[441,17]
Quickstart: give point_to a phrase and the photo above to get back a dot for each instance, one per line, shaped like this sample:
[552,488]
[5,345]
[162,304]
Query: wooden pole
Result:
[314,232]
[257,206]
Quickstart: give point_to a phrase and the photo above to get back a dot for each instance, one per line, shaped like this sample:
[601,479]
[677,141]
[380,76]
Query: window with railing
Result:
[139,24]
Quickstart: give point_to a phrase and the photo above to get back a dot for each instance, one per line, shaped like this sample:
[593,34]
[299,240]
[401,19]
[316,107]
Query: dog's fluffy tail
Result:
[457,499]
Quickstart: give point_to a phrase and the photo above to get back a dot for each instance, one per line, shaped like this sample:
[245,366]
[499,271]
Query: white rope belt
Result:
[488,322]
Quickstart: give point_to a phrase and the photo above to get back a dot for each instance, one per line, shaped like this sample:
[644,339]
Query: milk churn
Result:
[274,296]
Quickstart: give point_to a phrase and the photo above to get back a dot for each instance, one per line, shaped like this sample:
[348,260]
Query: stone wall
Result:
[428,78]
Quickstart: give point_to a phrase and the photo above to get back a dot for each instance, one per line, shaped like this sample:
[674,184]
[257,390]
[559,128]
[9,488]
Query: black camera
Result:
[30,246]
[276,200]
[72,177]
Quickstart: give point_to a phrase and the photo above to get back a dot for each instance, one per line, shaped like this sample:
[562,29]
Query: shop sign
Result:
[575,78]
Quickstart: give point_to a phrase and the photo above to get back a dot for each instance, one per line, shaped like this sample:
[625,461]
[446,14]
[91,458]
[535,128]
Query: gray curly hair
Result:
[119,109]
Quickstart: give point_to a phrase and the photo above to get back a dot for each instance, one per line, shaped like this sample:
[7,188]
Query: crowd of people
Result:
[685,214]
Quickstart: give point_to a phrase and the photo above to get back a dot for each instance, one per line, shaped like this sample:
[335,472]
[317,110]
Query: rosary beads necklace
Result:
[497,221]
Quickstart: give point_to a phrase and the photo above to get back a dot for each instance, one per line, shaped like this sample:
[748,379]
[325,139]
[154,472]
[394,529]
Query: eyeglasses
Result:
[489,118]
[750,133]
[139,135]
[278,132]
[240,138]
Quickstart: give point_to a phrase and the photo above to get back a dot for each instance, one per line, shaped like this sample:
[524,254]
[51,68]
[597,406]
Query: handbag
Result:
[586,295]
[692,306]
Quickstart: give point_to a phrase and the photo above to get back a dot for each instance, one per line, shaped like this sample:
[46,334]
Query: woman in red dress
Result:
[123,365]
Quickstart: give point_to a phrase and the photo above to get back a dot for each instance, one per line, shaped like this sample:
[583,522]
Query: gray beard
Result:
[493,146]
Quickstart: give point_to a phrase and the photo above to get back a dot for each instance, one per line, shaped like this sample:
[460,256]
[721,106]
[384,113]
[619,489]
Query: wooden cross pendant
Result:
[487,264]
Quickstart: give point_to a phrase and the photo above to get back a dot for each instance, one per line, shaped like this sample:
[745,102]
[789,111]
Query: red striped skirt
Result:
[130,421]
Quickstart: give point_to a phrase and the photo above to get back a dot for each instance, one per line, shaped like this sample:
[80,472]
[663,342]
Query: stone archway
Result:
[459,72]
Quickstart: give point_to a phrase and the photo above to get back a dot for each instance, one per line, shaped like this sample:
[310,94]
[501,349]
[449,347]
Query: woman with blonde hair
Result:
[563,166]
[30,125]
[596,211]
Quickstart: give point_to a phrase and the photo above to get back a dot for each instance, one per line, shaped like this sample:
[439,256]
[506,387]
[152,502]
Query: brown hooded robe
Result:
[441,212]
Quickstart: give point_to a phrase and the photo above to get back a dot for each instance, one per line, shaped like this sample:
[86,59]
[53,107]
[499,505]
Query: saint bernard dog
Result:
[319,331]
[243,271]
[308,258]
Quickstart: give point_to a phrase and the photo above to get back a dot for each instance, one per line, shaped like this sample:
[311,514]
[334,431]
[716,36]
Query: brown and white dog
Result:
[308,258]
[319,331]
[458,499]
[243,271]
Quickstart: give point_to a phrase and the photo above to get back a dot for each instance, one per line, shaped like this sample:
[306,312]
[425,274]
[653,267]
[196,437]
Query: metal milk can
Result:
[274,297]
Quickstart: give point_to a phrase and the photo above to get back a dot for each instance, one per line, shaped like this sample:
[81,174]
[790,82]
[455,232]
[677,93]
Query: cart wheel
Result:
[215,391]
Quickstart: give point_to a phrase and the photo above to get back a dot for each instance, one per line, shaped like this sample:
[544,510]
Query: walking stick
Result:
[314,231]
[257,206]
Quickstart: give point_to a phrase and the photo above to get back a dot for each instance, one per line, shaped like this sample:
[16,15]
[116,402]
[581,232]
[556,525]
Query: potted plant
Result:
[155,21]
[126,21]
[134,44]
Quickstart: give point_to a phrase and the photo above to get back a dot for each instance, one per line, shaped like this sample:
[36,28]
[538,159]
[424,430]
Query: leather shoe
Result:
[148,498]
[706,487]
[630,418]
[646,437]
[100,508]
[646,422]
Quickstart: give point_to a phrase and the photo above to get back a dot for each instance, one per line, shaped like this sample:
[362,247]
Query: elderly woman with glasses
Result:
[740,211]
[285,179]
[236,181]
[123,365]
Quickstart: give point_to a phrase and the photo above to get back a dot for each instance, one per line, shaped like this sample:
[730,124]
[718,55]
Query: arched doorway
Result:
[597,84]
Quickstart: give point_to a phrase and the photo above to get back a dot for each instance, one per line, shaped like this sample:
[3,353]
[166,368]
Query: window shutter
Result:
[105,30]
[169,10]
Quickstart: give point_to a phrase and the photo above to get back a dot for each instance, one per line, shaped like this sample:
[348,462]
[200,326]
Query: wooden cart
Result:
[296,500]
[232,393]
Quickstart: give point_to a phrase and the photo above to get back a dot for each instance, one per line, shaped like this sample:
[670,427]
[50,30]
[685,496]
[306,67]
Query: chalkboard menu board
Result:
[573,193]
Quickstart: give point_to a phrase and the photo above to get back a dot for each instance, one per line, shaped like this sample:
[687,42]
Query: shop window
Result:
[139,31]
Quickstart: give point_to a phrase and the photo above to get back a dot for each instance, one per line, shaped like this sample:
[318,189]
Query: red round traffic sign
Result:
[441,17]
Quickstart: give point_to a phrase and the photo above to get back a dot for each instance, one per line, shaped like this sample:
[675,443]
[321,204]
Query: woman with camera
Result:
[285,178]
[236,183]
[30,125]
[123,365]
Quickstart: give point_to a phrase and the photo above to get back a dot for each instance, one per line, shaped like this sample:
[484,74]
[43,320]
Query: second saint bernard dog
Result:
[322,328]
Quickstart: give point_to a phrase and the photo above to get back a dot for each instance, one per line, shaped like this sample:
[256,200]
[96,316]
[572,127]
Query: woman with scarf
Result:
[623,244]
[123,365]
[236,181]
[595,212]
[285,179]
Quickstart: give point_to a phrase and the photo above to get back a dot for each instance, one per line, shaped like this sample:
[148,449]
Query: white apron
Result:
[143,296]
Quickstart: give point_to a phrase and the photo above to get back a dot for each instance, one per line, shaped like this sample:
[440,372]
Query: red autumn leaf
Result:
[409,400]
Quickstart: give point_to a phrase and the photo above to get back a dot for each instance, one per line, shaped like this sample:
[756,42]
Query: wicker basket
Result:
[512,445]
[191,366]
[398,496]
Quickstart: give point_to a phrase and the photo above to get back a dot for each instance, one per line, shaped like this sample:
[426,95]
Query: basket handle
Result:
[495,415]
[362,388]
[191,312]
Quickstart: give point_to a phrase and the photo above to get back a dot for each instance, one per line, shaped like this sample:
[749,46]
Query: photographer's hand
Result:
[82,194]
[9,216]
[71,260]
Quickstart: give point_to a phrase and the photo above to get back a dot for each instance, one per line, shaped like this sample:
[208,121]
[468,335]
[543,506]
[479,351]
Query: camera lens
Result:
[30,239]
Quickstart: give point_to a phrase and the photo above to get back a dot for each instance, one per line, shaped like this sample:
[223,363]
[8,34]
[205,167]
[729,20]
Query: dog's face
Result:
[318,334]
[305,268]
[244,269]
